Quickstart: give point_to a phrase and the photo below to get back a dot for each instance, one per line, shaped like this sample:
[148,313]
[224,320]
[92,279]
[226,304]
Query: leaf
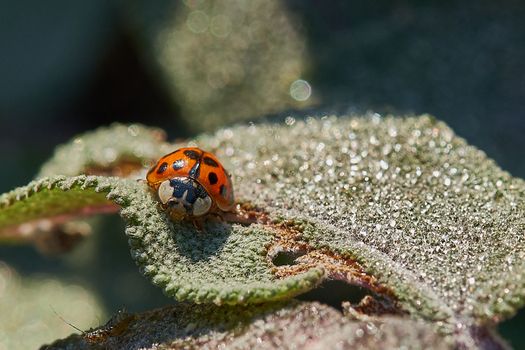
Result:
[268,326]
[114,150]
[223,62]
[227,267]
[426,214]
[119,150]
[400,206]
[20,219]
[32,308]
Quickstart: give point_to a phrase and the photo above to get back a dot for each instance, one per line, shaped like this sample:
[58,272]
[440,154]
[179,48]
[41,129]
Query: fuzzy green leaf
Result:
[30,304]
[430,217]
[51,201]
[269,326]
[106,149]
[227,266]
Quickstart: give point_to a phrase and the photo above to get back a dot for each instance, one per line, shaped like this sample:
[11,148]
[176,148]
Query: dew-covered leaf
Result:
[269,326]
[428,215]
[400,206]
[115,150]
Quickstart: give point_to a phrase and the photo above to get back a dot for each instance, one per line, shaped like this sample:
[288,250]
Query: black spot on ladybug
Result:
[210,162]
[162,168]
[178,164]
[192,154]
[212,178]
[223,191]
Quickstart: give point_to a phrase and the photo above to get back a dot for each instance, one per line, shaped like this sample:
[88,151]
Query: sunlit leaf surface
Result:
[425,219]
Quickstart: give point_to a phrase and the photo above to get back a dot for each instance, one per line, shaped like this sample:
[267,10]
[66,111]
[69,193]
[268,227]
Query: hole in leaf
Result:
[334,293]
[286,257]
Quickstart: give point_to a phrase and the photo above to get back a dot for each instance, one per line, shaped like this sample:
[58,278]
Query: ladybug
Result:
[191,183]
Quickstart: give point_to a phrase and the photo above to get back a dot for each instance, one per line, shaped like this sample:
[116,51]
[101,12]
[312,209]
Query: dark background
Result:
[69,67]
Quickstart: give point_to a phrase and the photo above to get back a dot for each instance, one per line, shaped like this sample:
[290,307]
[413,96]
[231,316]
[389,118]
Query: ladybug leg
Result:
[199,225]
[217,216]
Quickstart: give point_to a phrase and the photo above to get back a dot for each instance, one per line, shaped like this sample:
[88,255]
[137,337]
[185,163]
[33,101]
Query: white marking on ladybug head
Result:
[201,206]
[165,192]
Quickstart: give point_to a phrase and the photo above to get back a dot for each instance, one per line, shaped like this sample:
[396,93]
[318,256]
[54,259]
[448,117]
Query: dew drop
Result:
[300,90]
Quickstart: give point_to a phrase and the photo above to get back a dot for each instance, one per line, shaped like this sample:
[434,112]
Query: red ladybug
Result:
[191,183]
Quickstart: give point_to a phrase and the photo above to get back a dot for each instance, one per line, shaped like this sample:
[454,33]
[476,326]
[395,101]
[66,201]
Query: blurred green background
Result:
[195,65]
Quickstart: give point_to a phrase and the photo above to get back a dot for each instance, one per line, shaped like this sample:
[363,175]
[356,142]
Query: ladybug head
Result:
[184,197]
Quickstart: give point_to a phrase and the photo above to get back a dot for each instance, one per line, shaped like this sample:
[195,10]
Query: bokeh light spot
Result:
[300,90]
[220,26]
[197,21]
